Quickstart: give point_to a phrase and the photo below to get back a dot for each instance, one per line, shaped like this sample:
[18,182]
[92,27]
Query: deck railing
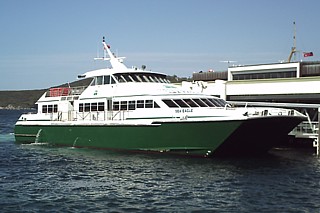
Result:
[65,91]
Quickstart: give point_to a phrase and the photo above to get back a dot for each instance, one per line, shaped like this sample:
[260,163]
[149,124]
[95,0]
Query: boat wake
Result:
[35,144]
[6,137]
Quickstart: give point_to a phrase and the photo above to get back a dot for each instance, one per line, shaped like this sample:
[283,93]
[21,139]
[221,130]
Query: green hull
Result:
[193,138]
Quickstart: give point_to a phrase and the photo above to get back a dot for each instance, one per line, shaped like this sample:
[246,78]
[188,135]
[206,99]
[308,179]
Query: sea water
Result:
[41,178]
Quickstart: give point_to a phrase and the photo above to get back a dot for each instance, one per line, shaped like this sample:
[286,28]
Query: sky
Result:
[48,43]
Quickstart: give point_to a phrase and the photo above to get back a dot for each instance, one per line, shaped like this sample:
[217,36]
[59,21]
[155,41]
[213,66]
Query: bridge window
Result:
[106,79]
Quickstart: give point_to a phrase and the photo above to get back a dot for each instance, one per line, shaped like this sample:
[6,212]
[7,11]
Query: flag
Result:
[307,54]
[108,46]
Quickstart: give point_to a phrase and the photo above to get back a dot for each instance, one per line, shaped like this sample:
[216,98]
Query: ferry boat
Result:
[132,109]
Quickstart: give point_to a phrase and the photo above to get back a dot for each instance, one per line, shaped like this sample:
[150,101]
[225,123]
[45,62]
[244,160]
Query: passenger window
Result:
[112,80]
[155,105]
[145,78]
[139,78]
[121,79]
[116,105]
[190,102]
[87,107]
[170,103]
[200,103]
[55,108]
[132,105]
[81,107]
[216,102]
[222,102]
[94,107]
[49,108]
[207,102]
[140,104]
[151,79]
[131,79]
[101,106]
[127,78]
[180,103]
[124,105]
[44,108]
[149,103]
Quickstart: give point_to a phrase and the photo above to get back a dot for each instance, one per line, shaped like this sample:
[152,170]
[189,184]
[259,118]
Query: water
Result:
[39,178]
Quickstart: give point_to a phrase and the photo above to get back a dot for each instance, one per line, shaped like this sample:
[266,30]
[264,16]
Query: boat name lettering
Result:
[183,110]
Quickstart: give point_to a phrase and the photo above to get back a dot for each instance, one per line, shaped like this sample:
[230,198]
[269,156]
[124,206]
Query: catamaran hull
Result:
[205,138]
[257,136]
[188,138]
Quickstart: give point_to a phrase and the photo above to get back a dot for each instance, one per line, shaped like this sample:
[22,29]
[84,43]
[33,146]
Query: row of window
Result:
[141,77]
[117,105]
[132,105]
[50,108]
[100,80]
[269,75]
[91,107]
[129,77]
[194,102]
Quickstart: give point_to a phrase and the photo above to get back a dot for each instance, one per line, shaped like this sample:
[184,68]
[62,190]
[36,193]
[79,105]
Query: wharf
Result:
[288,85]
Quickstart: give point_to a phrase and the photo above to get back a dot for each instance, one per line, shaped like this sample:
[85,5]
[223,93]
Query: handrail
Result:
[65,91]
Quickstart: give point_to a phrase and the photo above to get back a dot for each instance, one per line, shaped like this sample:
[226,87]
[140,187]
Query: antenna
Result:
[228,62]
[116,62]
[294,48]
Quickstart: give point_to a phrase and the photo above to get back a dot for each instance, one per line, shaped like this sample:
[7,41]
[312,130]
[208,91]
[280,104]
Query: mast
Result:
[116,62]
[294,48]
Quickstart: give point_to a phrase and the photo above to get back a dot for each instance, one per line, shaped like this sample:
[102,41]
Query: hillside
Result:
[19,99]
